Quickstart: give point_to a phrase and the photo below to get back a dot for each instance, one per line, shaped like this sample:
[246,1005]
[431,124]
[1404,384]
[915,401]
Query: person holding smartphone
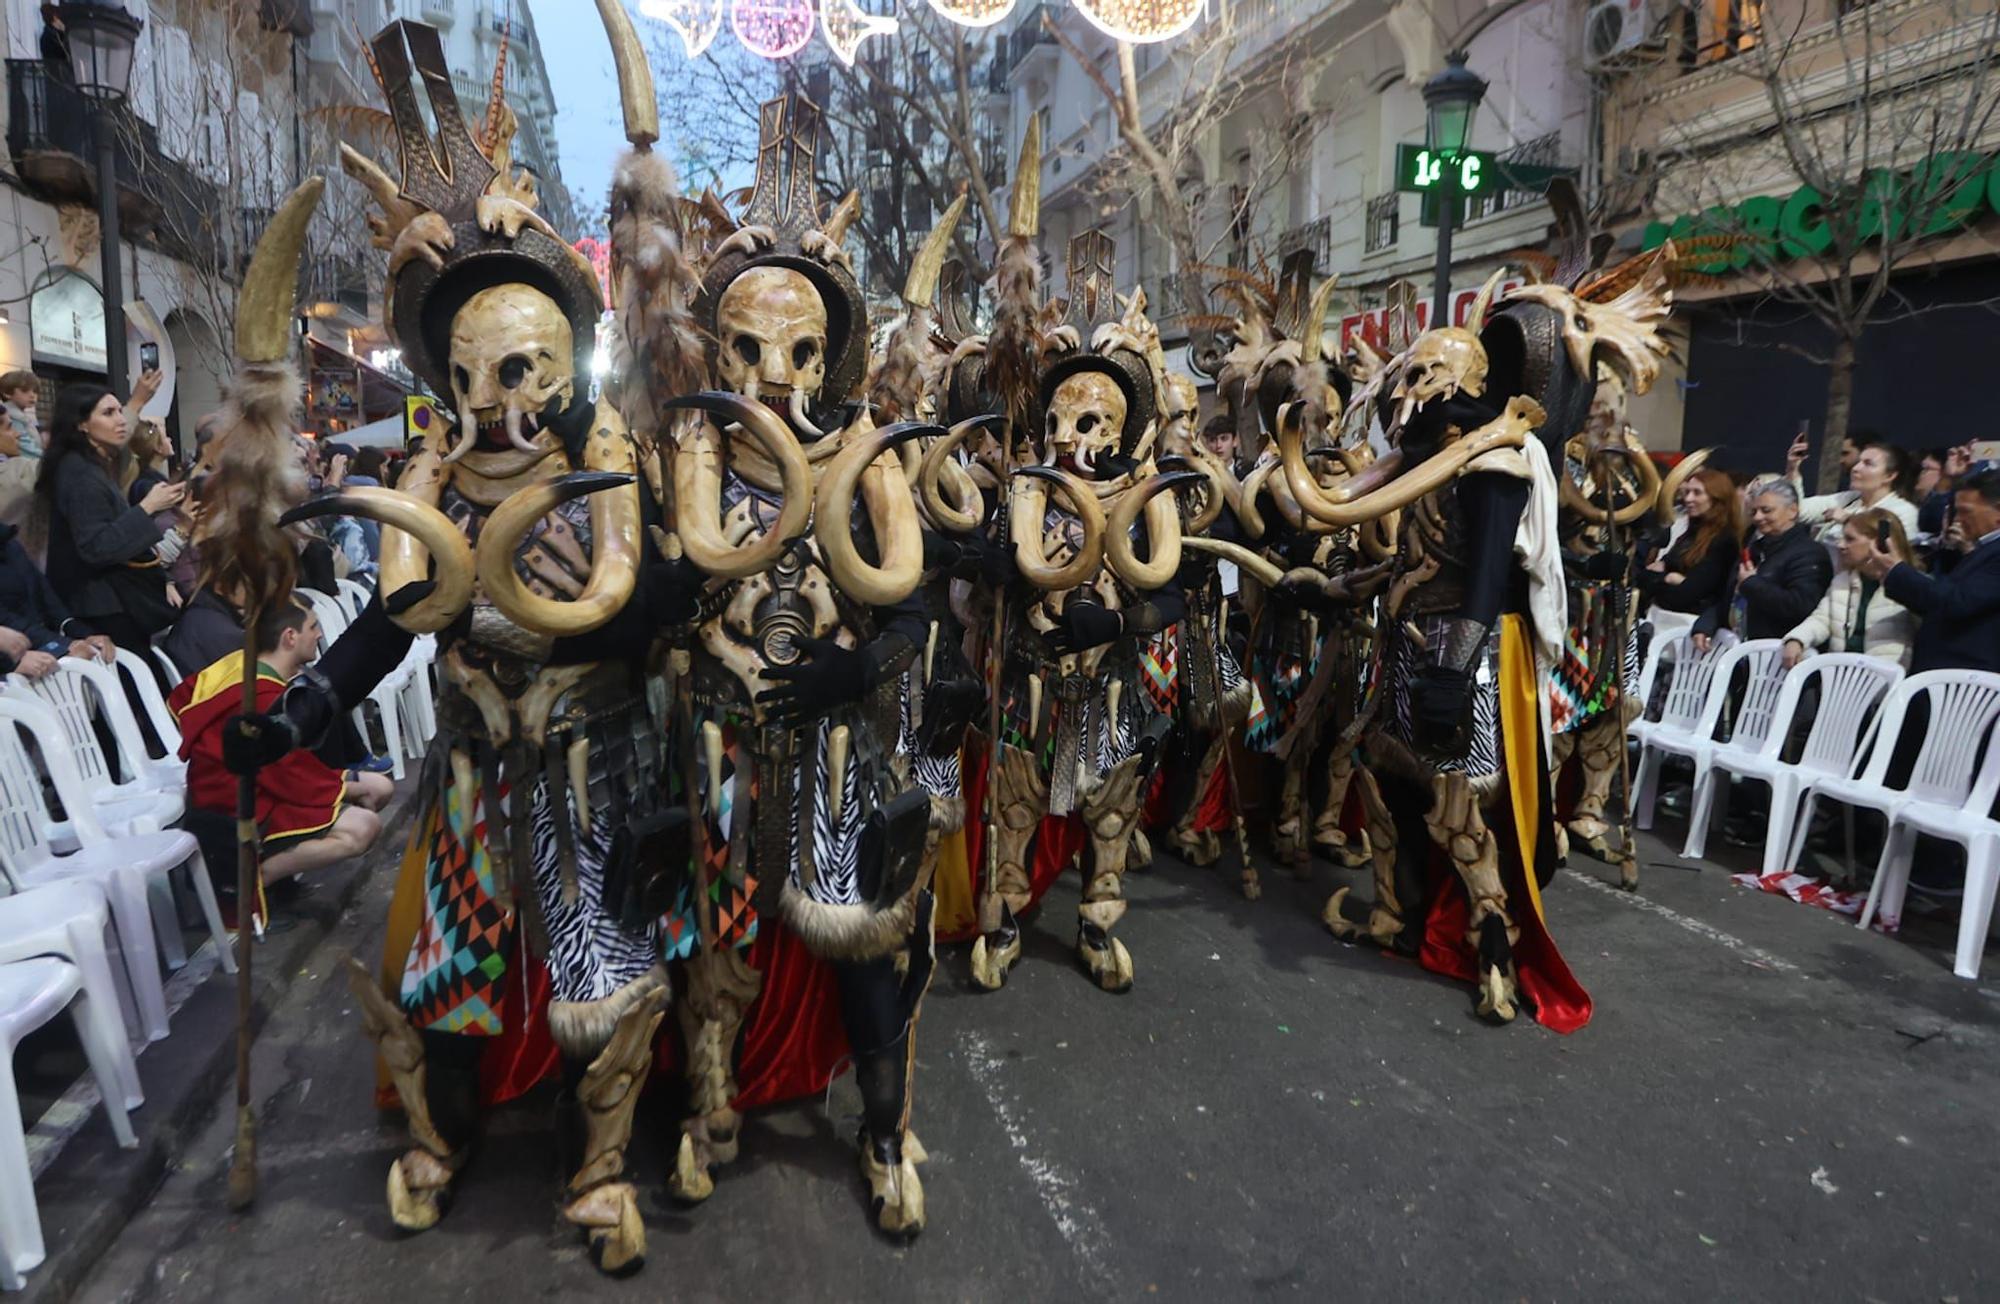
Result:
[1785,571]
[1855,615]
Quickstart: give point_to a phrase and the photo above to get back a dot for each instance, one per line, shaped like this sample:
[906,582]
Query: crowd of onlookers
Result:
[98,553]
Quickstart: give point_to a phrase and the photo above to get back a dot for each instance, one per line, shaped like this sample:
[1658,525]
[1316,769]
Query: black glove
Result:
[1305,594]
[675,589]
[1109,466]
[989,560]
[408,596]
[1606,566]
[940,553]
[1086,625]
[1441,710]
[250,741]
[828,676]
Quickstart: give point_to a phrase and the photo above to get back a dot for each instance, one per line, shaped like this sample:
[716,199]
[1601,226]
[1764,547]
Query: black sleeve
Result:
[1155,610]
[316,567]
[1704,585]
[107,531]
[1492,504]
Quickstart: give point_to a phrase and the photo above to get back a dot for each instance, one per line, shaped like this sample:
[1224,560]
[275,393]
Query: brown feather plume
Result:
[1014,349]
[489,130]
[653,287]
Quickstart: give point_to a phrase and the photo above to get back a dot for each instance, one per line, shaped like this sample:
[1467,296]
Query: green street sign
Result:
[1427,171]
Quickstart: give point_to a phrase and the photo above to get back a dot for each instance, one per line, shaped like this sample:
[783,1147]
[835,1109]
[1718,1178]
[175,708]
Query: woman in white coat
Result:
[1855,615]
[1879,479]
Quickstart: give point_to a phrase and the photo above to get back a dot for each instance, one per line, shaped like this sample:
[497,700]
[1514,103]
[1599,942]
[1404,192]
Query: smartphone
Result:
[149,357]
[1882,533]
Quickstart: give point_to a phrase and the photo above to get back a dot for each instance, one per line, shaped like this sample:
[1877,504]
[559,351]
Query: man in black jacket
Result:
[1960,610]
[1787,573]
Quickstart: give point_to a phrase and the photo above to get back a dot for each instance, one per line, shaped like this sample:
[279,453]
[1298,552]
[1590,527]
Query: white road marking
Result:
[64,1119]
[1695,926]
[1073,1216]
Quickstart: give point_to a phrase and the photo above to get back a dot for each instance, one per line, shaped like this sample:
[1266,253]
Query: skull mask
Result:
[513,364]
[1443,362]
[771,325]
[1086,420]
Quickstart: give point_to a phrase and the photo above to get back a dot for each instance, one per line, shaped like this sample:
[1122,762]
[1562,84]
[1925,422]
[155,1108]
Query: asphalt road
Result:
[1769,1104]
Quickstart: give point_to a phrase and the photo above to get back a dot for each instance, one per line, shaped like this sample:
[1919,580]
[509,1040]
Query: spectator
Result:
[1930,475]
[1878,478]
[20,395]
[1689,583]
[310,814]
[1960,610]
[31,608]
[150,466]
[1784,574]
[357,540]
[13,646]
[103,559]
[1855,615]
[1219,438]
[1850,452]
[55,44]
[206,630]
[1934,504]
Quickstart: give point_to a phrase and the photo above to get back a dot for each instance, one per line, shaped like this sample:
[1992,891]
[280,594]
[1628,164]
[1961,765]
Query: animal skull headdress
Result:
[787,321]
[1099,387]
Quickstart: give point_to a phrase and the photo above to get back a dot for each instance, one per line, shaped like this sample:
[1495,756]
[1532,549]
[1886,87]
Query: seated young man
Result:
[310,814]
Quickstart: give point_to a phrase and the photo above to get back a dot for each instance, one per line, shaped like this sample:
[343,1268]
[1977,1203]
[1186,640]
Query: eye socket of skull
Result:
[776,325]
[1088,411]
[511,345]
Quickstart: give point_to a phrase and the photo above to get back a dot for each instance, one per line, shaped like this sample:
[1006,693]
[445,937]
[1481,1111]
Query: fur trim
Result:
[583,1028]
[653,287]
[1013,350]
[847,932]
[254,475]
[900,378]
[947,815]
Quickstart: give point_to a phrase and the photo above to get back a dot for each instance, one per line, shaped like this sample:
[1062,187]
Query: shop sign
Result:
[1373,324]
[1955,187]
[66,323]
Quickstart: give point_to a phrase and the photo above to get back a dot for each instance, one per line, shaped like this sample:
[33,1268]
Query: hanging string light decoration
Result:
[779,29]
[696,21]
[774,29]
[846,25]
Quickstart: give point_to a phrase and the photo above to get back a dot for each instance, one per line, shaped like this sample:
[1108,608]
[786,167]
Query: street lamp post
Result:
[1451,97]
[102,36]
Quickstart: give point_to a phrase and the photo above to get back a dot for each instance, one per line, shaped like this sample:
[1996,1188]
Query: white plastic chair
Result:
[32,992]
[387,695]
[1850,684]
[353,596]
[1689,716]
[122,868]
[166,663]
[1950,795]
[78,692]
[169,770]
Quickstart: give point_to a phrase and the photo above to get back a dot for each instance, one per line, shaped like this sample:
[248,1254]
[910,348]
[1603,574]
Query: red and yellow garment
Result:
[297,796]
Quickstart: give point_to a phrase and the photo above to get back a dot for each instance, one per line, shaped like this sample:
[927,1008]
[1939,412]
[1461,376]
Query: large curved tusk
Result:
[1223,491]
[698,486]
[428,528]
[1247,511]
[1574,500]
[264,317]
[1385,486]
[891,511]
[1670,489]
[1255,565]
[1025,520]
[1163,530]
[635,75]
[920,284]
[500,541]
[938,464]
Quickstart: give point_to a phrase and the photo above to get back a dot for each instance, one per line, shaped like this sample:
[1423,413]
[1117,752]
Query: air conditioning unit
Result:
[1612,28]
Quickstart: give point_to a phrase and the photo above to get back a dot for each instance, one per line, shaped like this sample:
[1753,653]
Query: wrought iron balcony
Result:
[1542,151]
[1383,222]
[338,280]
[1315,236]
[1027,34]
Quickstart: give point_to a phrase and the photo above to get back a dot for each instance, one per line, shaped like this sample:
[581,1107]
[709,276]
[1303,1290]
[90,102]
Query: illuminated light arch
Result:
[697,21]
[974,13]
[846,25]
[772,29]
[1141,21]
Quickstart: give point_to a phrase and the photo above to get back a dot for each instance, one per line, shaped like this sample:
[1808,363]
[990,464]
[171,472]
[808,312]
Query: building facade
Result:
[227,113]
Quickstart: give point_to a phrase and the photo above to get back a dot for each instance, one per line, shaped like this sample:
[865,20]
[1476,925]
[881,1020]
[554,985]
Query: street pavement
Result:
[1769,1104]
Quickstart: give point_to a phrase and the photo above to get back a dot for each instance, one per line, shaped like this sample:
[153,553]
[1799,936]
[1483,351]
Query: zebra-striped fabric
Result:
[1482,757]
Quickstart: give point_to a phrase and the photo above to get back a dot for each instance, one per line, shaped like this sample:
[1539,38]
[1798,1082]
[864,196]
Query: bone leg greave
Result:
[1020,798]
[1561,748]
[1110,808]
[1198,847]
[721,986]
[420,1181]
[1598,755]
[605,1207]
[1457,825]
[1385,919]
[880,1017]
[1327,832]
[1288,838]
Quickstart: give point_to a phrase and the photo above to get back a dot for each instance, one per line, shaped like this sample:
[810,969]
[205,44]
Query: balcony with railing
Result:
[1542,151]
[1315,237]
[1027,35]
[338,280]
[1383,223]
[51,136]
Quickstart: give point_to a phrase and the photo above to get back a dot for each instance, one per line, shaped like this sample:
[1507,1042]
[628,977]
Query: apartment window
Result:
[1713,30]
[1383,218]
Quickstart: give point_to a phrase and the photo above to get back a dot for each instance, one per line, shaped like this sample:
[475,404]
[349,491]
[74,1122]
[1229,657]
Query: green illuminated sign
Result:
[1429,171]
[1954,187]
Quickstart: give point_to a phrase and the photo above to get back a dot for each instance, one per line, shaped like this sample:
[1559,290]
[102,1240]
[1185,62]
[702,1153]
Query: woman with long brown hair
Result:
[1691,578]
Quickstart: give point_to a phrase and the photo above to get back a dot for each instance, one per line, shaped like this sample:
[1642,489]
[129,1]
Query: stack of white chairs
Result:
[1949,795]
[1762,661]
[387,696]
[1689,714]
[52,957]
[1851,685]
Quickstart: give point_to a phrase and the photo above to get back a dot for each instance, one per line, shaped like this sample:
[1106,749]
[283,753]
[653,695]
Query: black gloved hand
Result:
[941,553]
[1111,465]
[256,740]
[989,561]
[675,588]
[1305,594]
[828,675]
[1086,625]
[408,596]
[1441,710]
[1606,566]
